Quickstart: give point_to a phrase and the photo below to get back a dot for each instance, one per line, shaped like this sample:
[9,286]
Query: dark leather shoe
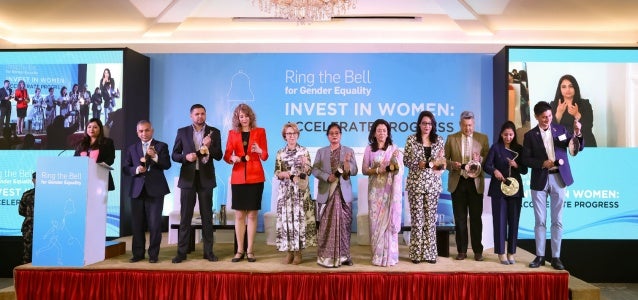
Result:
[538,261]
[557,264]
[211,257]
[348,262]
[431,261]
[152,260]
[237,259]
[415,261]
[478,257]
[135,259]
[461,256]
[250,257]
[178,259]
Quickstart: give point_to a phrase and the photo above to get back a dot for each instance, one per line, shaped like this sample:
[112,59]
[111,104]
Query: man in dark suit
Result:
[146,161]
[195,148]
[467,191]
[5,105]
[545,152]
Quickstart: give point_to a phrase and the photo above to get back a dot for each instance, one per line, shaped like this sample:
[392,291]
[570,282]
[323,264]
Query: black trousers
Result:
[465,199]
[146,210]
[187,200]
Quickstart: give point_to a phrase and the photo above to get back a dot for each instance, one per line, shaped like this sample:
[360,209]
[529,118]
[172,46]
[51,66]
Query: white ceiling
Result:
[157,26]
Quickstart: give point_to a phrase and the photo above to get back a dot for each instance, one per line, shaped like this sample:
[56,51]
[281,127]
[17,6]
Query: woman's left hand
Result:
[573,110]
[255,148]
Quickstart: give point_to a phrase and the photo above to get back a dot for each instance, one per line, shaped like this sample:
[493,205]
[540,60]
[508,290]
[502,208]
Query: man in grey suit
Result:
[545,152]
[467,191]
[145,162]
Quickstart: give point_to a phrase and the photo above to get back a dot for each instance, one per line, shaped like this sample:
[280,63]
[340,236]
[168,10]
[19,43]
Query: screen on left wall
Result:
[65,88]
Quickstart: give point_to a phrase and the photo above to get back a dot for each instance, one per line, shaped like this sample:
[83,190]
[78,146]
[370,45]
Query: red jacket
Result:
[21,97]
[251,171]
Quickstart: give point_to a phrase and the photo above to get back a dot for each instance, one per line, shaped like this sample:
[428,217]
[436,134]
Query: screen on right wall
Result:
[601,203]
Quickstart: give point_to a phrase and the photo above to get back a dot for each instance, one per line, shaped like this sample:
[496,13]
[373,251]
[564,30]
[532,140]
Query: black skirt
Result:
[247,196]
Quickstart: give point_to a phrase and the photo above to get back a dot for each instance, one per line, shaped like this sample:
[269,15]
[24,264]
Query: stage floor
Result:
[447,279]
[270,260]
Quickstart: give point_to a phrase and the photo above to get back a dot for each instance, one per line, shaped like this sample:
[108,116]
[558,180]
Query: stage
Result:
[268,278]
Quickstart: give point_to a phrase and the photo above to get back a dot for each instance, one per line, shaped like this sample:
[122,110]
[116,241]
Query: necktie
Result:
[467,156]
[144,147]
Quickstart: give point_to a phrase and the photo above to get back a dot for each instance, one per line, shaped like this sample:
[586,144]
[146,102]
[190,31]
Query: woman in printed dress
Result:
[383,163]
[295,208]
[424,153]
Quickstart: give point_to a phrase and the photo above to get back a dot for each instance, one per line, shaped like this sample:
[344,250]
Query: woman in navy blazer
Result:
[503,162]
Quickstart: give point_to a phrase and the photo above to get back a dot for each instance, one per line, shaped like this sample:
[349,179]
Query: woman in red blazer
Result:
[245,149]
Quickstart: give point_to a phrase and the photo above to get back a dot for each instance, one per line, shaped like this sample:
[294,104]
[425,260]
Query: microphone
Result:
[62,152]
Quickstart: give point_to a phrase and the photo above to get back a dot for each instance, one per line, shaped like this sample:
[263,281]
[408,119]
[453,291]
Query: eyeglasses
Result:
[425,124]
[290,133]
[334,133]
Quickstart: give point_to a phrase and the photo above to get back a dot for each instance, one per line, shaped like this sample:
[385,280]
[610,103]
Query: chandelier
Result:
[305,11]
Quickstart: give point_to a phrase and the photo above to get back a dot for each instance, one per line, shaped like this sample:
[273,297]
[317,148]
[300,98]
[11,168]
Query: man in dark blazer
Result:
[5,105]
[195,148]
[145,162]
[545,152]
[467,192]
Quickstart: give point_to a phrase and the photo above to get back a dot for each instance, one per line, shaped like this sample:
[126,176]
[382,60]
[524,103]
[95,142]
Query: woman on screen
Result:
[424,157]
[22,99]
[569,106]
[106,78]
[96,146]
[64,104]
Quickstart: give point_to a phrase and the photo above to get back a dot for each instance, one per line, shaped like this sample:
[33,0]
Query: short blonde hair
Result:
[289,125]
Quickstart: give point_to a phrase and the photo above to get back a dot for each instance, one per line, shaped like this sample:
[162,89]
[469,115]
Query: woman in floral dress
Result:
[295,208]
[424,153]
[383,163]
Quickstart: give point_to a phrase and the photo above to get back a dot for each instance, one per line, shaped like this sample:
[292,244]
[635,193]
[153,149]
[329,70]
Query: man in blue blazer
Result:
[545,152]
[196,145]
[145,162]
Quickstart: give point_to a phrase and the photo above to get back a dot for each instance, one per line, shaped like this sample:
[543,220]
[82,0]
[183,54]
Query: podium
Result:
[70,211]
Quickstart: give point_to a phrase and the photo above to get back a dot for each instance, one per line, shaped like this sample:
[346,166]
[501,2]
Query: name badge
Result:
[562,137]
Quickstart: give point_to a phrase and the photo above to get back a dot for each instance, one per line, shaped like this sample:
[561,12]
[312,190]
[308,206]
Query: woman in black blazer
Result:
[96,146]
[503,162]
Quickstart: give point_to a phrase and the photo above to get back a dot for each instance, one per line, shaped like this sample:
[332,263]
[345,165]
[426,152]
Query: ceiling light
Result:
[305,11]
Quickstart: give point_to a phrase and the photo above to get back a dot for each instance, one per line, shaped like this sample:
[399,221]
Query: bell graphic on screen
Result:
[240,89]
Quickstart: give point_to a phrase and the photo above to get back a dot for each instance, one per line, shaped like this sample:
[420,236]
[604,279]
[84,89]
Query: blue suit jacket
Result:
[497,160]
[184,144]
[321,170]
[154,179]
[534,154]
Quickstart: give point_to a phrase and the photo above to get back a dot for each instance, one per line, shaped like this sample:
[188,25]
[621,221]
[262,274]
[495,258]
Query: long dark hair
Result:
[433,136]
[85,144]
[514,145]
[574,83]
[373,140]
